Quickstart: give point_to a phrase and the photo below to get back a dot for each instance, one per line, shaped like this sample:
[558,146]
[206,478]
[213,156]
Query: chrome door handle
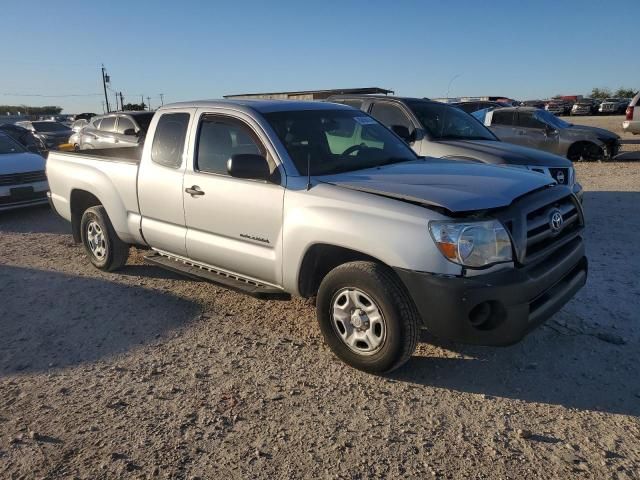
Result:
[194,190]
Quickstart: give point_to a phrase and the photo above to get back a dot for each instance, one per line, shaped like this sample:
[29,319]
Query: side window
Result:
[96,123]
[502,117]
[108,124]
[526,120]
[390,115]
[168,141]
[125,124]
[221,138]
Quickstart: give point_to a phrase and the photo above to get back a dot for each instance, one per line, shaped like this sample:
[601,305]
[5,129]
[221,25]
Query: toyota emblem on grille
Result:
[555,221]
[560,177]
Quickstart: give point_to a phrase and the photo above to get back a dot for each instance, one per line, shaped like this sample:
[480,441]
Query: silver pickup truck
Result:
[282,198]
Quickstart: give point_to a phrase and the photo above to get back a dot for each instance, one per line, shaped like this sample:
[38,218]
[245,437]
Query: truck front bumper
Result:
[497,308]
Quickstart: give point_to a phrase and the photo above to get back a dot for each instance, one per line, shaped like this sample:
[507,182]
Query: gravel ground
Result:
[143,374]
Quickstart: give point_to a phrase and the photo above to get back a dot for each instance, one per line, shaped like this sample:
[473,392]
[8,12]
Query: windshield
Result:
[8,145]
[443,122]
[550,119]
[49,127]
[334,141]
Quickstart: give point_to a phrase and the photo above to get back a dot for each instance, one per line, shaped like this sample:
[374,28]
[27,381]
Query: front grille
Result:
[29,197]
[528,220]
[540,233]
[23,178]
[560,175]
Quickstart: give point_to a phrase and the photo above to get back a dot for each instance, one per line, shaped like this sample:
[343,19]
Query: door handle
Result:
[194,190]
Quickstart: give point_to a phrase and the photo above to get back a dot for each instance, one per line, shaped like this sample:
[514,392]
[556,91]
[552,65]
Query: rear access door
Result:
[160,177]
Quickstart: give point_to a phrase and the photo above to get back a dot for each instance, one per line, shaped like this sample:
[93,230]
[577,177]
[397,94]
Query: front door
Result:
[534,133]
[233,224]
[125,136]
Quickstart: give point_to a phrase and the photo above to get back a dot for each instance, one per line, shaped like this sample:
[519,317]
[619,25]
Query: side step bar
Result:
[194,270]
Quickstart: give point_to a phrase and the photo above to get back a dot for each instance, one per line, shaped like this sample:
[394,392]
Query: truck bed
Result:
[124,154]
[110,175]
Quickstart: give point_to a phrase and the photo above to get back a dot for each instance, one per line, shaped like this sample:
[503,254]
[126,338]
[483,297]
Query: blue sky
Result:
[194,50]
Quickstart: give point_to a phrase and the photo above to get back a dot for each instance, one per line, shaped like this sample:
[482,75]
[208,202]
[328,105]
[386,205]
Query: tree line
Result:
[602,93]
[26,110]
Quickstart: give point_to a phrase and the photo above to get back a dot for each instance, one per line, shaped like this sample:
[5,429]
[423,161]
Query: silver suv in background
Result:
[114,130]
[441,130]
[536,128]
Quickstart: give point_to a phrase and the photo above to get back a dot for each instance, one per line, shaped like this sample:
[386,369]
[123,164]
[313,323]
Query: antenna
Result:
[308,171]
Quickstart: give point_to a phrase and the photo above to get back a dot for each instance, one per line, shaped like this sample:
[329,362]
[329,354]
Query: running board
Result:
[232,282]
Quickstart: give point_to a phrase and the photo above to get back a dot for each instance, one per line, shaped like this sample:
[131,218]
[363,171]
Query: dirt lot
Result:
[143,374]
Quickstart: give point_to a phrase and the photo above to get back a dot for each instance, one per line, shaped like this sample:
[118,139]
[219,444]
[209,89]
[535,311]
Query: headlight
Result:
[472,244]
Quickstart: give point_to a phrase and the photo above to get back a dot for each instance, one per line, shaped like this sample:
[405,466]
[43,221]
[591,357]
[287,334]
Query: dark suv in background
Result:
[435,129]
[53,134]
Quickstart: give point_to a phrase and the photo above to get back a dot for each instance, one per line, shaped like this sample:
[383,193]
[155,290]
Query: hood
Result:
[453,185]
[502,152]
[600,133]
[20,163]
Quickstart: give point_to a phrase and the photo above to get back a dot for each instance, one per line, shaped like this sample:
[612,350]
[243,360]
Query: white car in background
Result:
[631,123]
[23,182]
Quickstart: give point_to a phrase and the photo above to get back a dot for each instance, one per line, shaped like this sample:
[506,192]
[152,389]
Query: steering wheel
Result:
[353,148]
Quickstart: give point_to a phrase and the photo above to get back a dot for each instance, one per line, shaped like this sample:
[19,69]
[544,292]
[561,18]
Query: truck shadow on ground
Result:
[33,220]
[53,320]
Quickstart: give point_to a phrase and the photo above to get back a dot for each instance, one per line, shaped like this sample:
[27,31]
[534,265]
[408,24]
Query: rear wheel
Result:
[105,250]
[367,317]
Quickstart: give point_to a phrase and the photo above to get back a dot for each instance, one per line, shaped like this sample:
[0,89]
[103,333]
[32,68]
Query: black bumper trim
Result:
[520,298]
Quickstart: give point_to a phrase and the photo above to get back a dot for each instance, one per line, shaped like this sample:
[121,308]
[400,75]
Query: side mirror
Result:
[249,165]
[403,133]
[131,132]
[550,131]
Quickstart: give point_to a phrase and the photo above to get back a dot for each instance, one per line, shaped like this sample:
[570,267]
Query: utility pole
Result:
[162,99]
[121,101]
[105,80]
[149,103]
[142,100]
[115,95]
[102,107]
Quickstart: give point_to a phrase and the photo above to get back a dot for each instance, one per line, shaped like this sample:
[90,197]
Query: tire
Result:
[585,152]
[105,250]
[391,320]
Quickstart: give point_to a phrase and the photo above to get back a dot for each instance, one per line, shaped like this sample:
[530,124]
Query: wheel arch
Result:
[574,150]
[80,200]
[319,259]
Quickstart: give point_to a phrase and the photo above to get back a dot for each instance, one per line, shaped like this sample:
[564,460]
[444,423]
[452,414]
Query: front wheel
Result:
[367,317]
[105,250]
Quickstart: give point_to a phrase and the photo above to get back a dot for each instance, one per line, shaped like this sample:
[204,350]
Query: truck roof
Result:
[262,106]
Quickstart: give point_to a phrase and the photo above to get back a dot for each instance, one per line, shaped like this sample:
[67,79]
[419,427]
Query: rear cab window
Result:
[169,139]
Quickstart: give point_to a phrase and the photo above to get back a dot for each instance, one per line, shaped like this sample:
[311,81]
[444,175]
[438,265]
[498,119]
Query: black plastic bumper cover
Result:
[520,298]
